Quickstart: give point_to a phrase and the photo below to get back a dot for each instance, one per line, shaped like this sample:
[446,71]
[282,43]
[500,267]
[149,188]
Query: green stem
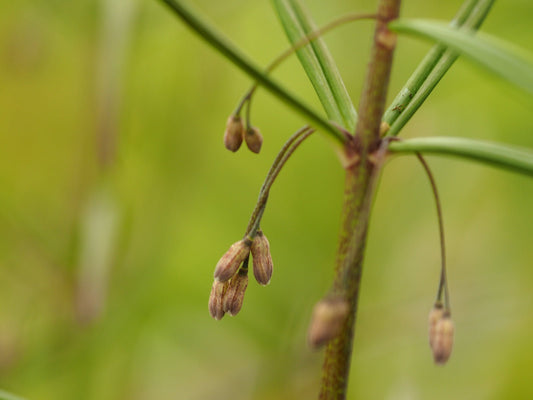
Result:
[376,84]
[432,68]
[286,151]
[230,51]
[358,192]
[513,158]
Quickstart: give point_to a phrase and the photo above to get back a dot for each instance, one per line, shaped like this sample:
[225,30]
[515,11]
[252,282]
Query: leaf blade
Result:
[496,55]
[514,158]
[317,63]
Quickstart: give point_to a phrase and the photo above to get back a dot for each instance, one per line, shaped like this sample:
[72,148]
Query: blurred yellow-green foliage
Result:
[117,199]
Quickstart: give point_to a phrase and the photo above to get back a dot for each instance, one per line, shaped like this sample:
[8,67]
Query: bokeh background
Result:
[118,198]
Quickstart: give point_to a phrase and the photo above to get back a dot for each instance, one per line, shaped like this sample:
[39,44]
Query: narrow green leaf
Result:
[317,63]
[433,67]
[219,42]
[502,58]
[517,159]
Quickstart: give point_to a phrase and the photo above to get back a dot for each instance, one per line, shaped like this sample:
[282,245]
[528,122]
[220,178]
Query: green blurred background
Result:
[118,198]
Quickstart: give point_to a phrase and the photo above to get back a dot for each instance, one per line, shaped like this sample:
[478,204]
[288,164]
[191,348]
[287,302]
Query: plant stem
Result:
[377,81]
[358,193]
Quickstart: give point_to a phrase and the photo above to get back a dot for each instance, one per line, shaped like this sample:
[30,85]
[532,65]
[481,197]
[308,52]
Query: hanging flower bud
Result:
[232,260]
[234,295]
[234,133]
[328,318]
[254,139]
[216,297]
[443,339]
[435,315]
[262,259]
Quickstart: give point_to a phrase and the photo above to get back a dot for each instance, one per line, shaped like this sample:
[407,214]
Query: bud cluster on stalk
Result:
[231,274]
[441,331]
[235,133]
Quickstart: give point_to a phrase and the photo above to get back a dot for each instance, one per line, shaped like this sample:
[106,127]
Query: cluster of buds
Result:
[235,133]
[231,274]
[441,330]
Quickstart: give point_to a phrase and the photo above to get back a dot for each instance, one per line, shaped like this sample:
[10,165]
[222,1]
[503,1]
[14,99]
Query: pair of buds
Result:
[231,274]
[235,133]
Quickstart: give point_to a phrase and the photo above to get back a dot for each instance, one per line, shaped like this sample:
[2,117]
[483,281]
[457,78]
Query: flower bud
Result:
[230,262]
[234,133]
[435,315]
[234,295]
[216,308]
[327,321]
[254,139]
[443,340]
[262,259]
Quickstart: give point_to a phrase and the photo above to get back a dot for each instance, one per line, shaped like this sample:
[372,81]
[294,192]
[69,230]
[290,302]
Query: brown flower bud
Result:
[443,340]
[328,318]
[216,297]
[230,262]
[253,139]
[234,133]
[435,315]
[262,259]
[234,295]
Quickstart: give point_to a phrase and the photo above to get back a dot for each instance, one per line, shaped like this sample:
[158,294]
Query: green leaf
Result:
[432,68]
[502,58]
[317,63]
[517,159]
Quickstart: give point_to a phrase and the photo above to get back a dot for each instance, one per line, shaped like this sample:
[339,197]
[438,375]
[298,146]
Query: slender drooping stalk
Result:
[357,200]
[286,151]
[443,282]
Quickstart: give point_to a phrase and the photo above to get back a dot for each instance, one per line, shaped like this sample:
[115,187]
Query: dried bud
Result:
[254,139]
[216,297]
[234,295]
[435,315]
[328,318]
[232,260]
[262,259]
[234,133]
[443,340]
